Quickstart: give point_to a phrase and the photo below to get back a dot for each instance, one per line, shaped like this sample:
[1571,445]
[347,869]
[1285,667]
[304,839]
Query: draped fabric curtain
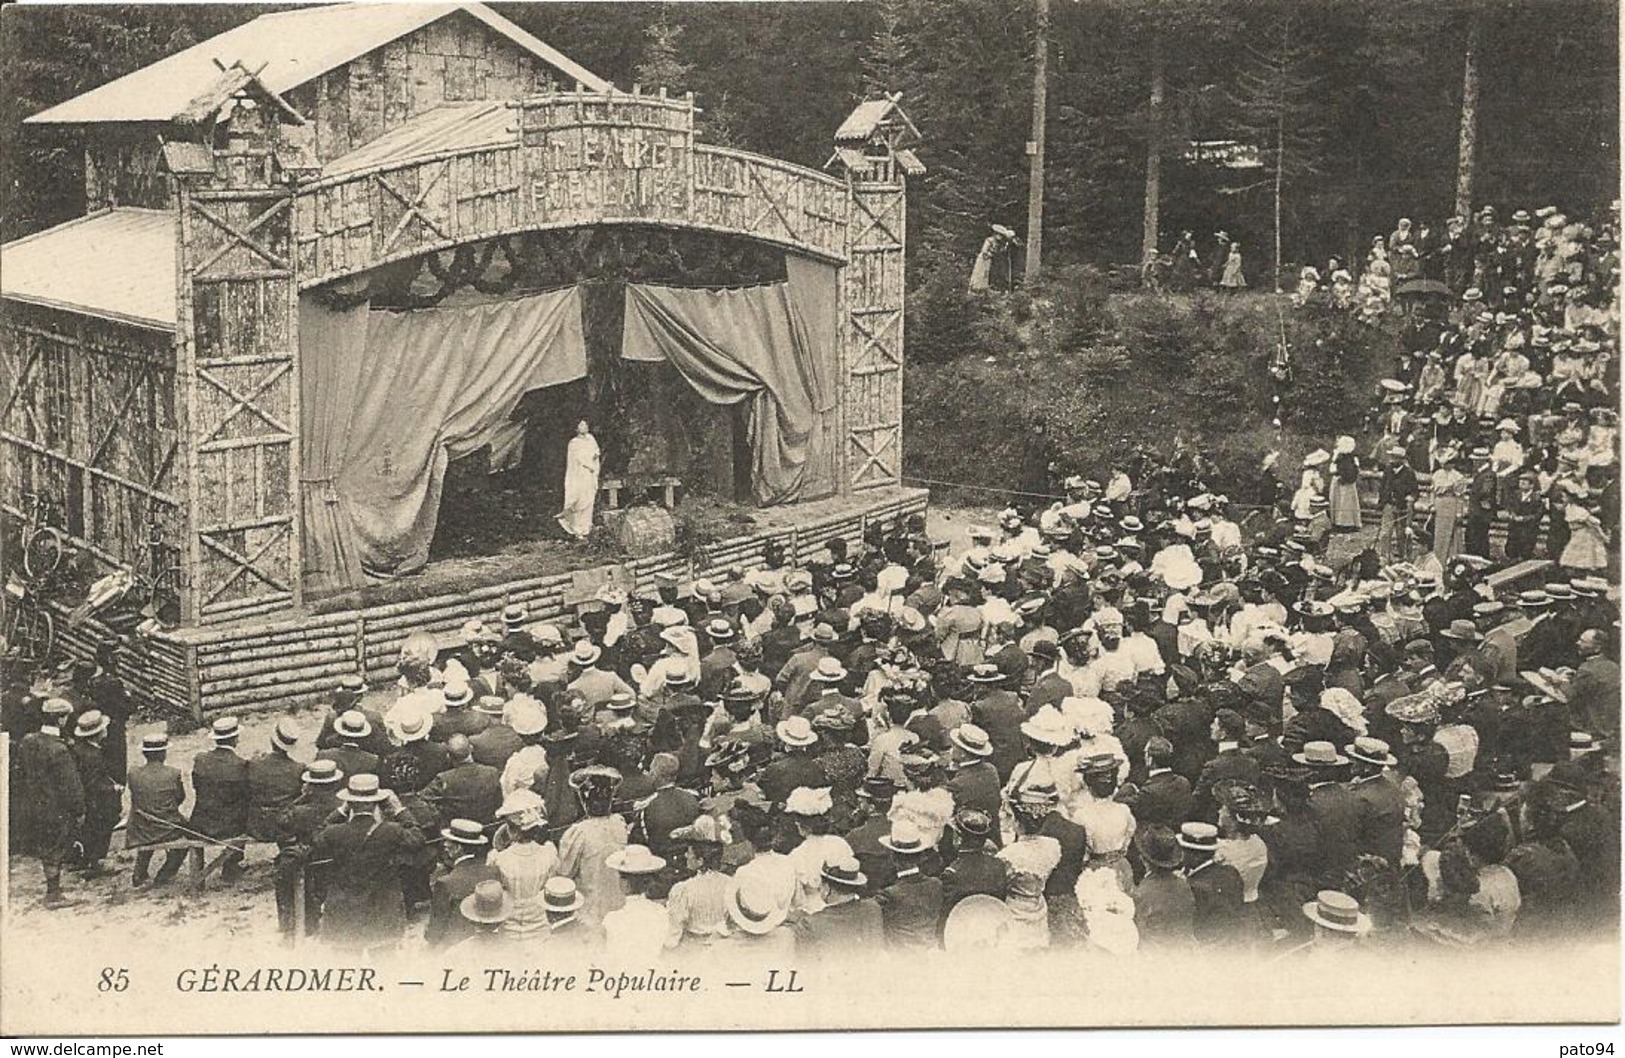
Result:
[774,346]
[389,398]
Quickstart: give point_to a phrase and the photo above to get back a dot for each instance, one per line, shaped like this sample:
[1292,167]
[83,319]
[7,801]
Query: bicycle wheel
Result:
[42,555]
[30,633]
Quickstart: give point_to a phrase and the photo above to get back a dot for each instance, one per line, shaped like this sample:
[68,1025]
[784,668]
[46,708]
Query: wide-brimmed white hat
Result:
[795,731]
[635,859]
[1337,911]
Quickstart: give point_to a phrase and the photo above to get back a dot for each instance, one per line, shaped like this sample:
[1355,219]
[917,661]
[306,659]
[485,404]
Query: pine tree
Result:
[661,66]
[886,57]
[1276,109]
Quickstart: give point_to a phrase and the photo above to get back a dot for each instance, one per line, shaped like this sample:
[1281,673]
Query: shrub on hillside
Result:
[1161,368]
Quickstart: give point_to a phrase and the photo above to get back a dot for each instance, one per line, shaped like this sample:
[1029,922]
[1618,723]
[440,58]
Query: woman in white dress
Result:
[581,462]
[525,862]
[1108,822]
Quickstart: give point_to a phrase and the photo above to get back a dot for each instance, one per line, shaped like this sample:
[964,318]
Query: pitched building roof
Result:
[285,50]
[454,127]
[118,264]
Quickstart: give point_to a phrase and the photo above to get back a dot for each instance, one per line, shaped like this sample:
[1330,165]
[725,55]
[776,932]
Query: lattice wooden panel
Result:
[874,296]
[240,375]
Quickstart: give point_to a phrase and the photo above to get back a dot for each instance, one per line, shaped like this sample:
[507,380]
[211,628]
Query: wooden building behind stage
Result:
[149,352]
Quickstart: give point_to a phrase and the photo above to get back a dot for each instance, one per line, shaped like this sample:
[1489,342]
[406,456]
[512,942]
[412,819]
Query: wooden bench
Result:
[668,491]
[612,489]
[1521,571]
[198,860]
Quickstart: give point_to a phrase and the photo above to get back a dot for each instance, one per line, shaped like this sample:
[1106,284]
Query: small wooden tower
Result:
[873,151]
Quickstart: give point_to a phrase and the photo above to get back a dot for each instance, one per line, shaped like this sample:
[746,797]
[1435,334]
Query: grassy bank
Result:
[1110,372]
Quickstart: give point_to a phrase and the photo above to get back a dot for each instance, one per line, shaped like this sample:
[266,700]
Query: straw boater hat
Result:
[225,729]
[91,723]
[1371,751]
[1337,911]
[55,708]
[585,654]
[464,832]
[490,704]
[753,900]
[829,670]
[319,773]
[155,742]
[845,873]
[905,839]
[972,740]
[1199,837]
[456,694]
[363,789]
[1320,755]
[488,903]
[795,731]
[635,859]
[985,673]
[560,896]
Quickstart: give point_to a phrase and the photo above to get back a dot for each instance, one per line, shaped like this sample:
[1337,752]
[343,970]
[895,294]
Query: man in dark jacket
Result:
[363,855]
[463,849]
[1000,713]
[156,794]
[1216,888]
[865,840]
[975,782]
[1231,762]
[499,740]
[428,758]
[52,795]
[296,832]
[355,733]
[974,868]
[466,790]
[274,781]
[1165,796]
[849,923]
[107,694]
[911,906]
[1336,810]
[104,797]
[1382,804]
[669,808]
[220,789]
[347,698]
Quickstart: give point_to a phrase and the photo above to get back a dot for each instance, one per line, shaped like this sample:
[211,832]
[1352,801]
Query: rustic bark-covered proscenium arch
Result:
[199,427]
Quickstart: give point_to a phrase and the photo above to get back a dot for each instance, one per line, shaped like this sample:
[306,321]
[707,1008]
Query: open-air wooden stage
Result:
[289,659]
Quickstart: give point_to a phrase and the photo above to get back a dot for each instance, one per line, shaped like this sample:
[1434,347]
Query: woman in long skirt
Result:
[1449,497]
[581,461]
[1232,278]
[1587,547]
[1345,492]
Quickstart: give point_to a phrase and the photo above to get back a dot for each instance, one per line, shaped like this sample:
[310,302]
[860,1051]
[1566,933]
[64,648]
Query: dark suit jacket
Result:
[1164,798]
[156,794]
[220,783]
[1230,764]
[274,783]
[446,922]
[495,745]
[911,908]
[362,863]
[103,801]
[670,809]
[875,859]
[977,786]
[785,774]
[468,791]
[1001,715]
[972,873]
[1048,689]
[1216,891]
[840,929]
[352,760]
[1338,815]
[1074,842]
[459,721]
[1382,818]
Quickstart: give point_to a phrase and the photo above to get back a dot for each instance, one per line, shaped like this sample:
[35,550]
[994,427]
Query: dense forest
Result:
[1367,98]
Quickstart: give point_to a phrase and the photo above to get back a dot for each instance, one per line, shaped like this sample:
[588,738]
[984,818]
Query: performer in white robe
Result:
[580,482]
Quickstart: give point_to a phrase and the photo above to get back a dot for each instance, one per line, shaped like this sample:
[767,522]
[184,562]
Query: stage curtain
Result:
[389,398]
[772,345]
